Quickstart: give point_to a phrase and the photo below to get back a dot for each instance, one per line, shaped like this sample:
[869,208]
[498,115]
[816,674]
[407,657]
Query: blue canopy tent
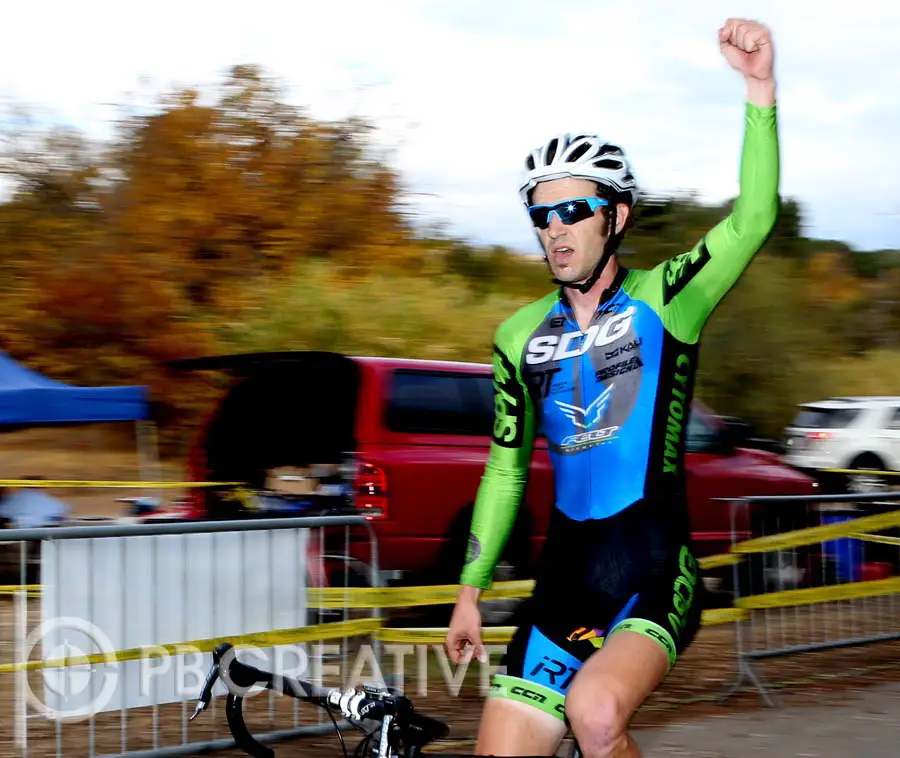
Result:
[27,397]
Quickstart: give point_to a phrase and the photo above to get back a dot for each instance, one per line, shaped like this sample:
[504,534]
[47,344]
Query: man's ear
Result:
[623,215]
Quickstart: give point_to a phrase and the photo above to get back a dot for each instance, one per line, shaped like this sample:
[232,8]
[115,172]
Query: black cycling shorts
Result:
[634,571]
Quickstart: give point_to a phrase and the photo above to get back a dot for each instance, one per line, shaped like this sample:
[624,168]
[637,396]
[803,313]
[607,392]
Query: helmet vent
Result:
[579,151]
[551,150]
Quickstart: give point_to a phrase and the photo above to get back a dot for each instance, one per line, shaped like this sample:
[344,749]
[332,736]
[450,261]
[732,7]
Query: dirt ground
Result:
[863,725]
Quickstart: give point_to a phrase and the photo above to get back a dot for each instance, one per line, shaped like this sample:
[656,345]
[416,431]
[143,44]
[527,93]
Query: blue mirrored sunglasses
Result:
[569,211]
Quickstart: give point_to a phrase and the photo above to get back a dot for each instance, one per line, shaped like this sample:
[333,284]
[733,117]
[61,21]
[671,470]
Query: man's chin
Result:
[568,275]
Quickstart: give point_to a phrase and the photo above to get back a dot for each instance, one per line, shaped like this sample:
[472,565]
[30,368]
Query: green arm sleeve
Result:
[506,471]
[695,282]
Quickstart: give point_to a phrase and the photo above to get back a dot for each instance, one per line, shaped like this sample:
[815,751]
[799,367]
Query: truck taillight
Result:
[195,502]
[371,491]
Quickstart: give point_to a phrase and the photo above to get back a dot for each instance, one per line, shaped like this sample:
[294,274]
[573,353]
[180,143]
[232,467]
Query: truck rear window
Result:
[440,403]
[825,418]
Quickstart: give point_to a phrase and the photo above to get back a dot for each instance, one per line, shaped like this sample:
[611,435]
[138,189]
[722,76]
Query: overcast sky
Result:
[465,89]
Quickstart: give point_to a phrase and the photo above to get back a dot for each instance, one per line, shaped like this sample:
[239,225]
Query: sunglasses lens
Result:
[574,211]
[540,216]
[569,212]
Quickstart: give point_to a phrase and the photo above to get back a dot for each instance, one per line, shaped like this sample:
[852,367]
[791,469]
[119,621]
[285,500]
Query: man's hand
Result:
[747,46]
[464,634]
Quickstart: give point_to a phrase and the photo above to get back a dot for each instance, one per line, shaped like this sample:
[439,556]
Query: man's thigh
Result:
[513,728]
[625,671]
[525,713]
[644,643]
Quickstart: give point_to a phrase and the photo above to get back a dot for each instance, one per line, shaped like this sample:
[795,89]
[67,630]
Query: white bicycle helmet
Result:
[583,156]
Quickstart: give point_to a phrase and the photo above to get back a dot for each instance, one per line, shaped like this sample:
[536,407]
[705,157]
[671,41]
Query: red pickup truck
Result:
[417,434]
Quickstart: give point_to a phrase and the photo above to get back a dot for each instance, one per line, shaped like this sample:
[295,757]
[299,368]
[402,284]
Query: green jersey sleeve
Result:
[694,282]
[506,472]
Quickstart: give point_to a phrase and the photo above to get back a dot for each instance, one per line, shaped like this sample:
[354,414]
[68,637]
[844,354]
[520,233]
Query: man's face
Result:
[573,251]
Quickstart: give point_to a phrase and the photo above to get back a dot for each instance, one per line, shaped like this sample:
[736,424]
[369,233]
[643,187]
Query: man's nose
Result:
[555,226]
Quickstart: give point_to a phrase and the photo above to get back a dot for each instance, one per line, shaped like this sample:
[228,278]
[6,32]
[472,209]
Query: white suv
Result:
[847,433]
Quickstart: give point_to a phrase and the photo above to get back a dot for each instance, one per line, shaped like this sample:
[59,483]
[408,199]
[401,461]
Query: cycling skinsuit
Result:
[613,402]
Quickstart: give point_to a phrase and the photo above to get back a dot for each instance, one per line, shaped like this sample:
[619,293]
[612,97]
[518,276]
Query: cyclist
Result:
[606,364]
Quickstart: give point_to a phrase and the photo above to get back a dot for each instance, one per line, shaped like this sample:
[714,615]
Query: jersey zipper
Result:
[579,391]
[590,380]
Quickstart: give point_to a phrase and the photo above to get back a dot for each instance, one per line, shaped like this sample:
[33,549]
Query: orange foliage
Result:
[117,258]
[830,279]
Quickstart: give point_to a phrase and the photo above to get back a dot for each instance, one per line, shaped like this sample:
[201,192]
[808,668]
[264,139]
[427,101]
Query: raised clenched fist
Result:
[747,46]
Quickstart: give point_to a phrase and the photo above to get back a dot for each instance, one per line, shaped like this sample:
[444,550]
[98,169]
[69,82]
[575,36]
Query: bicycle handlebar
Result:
[384,705]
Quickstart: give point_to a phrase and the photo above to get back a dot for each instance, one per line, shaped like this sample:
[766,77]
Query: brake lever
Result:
[211,678]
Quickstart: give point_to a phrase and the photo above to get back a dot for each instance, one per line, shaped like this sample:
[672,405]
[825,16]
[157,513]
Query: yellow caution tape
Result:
[407,597]
[439,594]
[717,561]
[126,485]
[498,635]
[880,538]
[30,590]
[435,635]
[318,632]
[715,616]
[505,590]
[397,597]
[791,598]
[378,597]
[860,472]
[330,631]
[814,534]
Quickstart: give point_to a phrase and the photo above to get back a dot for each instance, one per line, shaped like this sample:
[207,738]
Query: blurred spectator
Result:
[27,507]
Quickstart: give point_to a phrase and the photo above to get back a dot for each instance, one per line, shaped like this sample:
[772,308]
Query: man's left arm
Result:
[695,282]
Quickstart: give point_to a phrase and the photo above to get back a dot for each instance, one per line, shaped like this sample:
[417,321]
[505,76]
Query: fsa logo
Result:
[555,348]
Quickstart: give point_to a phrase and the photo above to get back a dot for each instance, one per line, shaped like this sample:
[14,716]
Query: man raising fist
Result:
[747,46]
[607,363]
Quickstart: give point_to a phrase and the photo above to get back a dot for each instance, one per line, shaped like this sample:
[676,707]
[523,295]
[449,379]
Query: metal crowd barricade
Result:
[243,555]
[825,574]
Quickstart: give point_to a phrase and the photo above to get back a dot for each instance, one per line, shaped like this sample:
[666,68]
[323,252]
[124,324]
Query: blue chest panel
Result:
[596,392]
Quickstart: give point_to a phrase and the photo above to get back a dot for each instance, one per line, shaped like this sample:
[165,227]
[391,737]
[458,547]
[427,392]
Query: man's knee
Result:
[598,718]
